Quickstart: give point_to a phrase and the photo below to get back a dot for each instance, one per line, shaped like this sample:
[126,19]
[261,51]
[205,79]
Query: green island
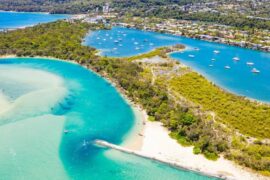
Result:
[179,98]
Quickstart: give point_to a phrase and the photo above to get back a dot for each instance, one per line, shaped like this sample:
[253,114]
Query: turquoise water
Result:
[199,55]
[13,20]
[40,99]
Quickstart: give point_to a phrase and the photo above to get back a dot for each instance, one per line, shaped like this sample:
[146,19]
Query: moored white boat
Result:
[250,63]
[254,70]
[236,59]
[216,51]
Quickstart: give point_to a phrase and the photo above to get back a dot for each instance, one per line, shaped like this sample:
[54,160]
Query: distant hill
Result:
[242,14]
[256,8]
[82,6]
[52,6]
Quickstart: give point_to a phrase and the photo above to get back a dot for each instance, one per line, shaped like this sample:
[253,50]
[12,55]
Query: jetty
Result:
[106,144]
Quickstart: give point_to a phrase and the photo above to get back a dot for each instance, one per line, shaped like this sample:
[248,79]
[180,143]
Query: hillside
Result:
[241,14]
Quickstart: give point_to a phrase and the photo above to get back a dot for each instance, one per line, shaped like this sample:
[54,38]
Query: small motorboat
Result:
[191,56]
[254,70]
[211,65]
[227,67]
[250,63]
[66,131]
[196,49]
[213,59]
[84,143]
[236,59]
[116,41]
[216,51]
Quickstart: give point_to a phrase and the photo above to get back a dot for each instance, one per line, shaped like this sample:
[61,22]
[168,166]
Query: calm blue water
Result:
[238,79]
[22,19]
[45,98]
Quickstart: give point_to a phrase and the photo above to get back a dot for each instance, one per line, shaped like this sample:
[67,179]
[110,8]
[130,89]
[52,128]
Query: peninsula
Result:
[168,91]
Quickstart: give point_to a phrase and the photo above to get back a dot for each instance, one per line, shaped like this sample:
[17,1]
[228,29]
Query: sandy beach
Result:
[152,139]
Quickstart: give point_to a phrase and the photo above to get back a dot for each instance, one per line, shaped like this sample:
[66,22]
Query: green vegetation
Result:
[255,156]
[248,117]
[63,40]
[60,40]
[52,6]
[78,6]
[156,52]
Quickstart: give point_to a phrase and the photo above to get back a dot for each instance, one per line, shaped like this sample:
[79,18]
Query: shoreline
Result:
[25,12]
[35,24]
[208,78]
[152,139]
[34,12]
[212,81]
[197,38]
[158,144]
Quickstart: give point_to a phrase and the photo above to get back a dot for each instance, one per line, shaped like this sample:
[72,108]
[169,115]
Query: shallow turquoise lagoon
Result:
[51,111]
[226,66]
[12,20]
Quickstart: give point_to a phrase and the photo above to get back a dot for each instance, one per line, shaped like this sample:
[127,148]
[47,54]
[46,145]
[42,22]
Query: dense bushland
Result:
[248,117]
